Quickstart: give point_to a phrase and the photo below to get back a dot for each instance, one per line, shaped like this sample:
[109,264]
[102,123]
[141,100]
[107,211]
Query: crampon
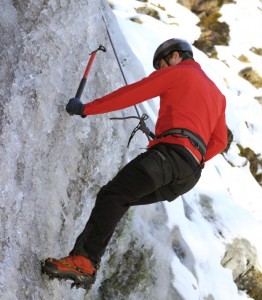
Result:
[78,269]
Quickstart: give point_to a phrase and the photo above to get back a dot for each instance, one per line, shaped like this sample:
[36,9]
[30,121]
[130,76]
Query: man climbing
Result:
[190,130]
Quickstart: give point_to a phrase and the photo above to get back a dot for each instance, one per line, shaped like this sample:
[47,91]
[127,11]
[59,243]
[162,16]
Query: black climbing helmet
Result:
[170,46]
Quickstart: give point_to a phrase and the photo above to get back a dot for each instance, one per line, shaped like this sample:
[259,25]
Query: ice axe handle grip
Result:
[81,88]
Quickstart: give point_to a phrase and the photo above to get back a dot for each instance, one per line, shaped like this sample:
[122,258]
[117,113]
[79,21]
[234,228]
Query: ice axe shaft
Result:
[87,70]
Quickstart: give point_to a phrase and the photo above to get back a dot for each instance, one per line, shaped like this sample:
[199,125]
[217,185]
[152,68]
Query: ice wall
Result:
[52,165]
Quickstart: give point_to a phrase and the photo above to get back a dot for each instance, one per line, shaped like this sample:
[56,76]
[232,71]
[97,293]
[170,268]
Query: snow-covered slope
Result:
[52,165]
[225,207]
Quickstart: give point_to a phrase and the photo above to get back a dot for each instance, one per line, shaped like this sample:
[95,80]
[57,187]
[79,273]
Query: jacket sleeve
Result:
[145,89]
[218,140]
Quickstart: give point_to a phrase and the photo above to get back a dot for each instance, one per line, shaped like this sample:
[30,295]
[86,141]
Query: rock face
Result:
[252,76]
[213,32]
[241,258]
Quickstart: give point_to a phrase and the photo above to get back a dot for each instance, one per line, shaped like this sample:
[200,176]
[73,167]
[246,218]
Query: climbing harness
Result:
[195,139]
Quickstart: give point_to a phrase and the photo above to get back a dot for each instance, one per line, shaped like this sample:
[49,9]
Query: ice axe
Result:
[87,70]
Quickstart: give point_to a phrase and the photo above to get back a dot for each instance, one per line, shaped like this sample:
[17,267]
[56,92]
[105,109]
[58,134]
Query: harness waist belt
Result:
[195,139]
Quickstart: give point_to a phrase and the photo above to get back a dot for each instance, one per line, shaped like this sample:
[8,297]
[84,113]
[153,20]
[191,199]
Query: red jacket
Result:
[188,99]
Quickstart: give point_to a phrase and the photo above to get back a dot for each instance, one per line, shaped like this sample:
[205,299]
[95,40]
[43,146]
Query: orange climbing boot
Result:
[74,267]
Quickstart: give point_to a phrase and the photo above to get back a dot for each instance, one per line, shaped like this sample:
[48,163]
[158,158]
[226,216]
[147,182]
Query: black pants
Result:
[163,172]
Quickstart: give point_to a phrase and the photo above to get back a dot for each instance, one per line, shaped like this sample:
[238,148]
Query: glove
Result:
[75,107]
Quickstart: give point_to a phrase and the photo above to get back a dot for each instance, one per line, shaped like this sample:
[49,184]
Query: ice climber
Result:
[189,131]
